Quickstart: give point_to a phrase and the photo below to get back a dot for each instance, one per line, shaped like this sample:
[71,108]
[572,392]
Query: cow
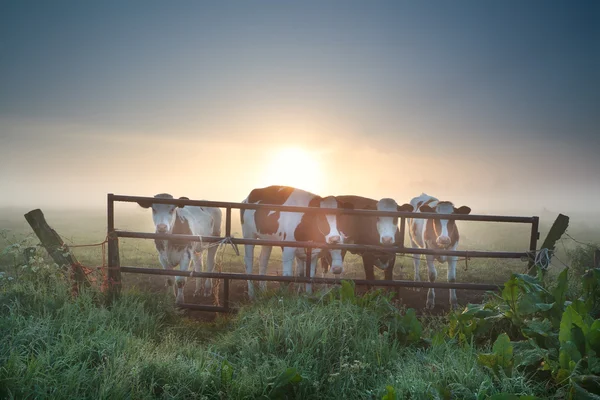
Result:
[437,234]
[368,230]
[186,220]
[290,226]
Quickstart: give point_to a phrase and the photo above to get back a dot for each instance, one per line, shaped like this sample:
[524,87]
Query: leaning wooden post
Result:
[558,228]
[55,246]
[114,265]
[535,235]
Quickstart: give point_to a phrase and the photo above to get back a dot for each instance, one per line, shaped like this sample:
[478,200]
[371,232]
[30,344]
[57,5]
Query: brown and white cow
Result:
[441,234]
[368,230]
[290,226]
[185,220]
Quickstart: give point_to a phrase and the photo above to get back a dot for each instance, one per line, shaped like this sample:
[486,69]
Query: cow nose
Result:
[387,240]
[337,269]
[333,239]
[443,240]
[161,228]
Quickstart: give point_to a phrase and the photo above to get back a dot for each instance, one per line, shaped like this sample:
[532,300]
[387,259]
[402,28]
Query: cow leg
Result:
[452,278]
[249,260]
[432,277]
[165,264]
[417,263]
[184,265]
[197,262]
[313,268]
[210,265]
[389,271]
[369,269]
[265,253]
[288,254]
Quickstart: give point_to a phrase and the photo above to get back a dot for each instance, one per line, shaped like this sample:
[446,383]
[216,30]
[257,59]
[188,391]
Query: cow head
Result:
[163,215]
[329,226]
[444,230]
[387,226]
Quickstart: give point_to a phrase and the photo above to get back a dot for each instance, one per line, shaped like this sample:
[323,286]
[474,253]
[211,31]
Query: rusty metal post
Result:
[535,235]
[308,259]
[228,222]
[114,264]
[402,231]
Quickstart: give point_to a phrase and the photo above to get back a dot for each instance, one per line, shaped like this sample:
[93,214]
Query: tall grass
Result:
[53,346]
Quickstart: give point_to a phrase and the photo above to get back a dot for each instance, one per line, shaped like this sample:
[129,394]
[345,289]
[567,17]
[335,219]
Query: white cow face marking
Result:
[444,230]
[333,236]
[443,235]
[386,226]
[163,215]
[328,226]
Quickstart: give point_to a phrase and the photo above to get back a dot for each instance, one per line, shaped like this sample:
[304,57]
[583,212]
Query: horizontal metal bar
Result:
[316,245]
[317,210]
[200,307]
[300,279]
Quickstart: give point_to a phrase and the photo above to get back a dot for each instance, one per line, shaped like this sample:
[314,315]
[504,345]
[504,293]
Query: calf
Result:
[371,231]
[290,226]
[439,234]
[185,220]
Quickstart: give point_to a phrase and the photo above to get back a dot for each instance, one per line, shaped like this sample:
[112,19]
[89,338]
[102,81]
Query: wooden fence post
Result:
[55,246]
[597,259]
[114,264]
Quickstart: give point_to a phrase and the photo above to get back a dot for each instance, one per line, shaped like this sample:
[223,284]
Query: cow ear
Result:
[405,207]
[427,209]
[182,198]
[462,210]
[145,203]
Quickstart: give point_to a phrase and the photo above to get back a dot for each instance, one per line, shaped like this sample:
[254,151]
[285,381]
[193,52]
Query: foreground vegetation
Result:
[334,346]
[538,338]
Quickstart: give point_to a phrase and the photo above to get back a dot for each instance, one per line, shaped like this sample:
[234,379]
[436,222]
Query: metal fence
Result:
[115,269]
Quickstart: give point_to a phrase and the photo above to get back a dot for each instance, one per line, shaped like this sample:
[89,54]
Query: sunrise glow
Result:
[296,167]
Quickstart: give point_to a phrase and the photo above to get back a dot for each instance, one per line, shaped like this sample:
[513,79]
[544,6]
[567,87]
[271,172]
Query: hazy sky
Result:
[491,104]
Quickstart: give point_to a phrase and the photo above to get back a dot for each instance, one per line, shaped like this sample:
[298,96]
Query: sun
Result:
[296,167]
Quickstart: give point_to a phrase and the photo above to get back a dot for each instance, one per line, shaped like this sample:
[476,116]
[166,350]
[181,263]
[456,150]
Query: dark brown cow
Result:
[371,231]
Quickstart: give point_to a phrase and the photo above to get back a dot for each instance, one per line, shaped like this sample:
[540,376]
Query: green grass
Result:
[52,346]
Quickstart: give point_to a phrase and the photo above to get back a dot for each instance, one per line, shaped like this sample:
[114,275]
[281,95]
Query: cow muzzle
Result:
[443,241]
[333,239]
[387,240]
[161,228]
[336,269]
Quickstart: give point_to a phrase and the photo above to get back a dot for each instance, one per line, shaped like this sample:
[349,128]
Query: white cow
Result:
[441,234]
[186,220]
[290,226]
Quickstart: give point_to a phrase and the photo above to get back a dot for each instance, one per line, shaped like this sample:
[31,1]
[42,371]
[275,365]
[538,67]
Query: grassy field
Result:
[86,226]
[283,346]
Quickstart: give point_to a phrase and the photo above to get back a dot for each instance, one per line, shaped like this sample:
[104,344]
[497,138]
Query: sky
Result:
[495,105]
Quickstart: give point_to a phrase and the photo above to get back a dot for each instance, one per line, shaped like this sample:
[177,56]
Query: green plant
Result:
[555,335]
[501,358]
